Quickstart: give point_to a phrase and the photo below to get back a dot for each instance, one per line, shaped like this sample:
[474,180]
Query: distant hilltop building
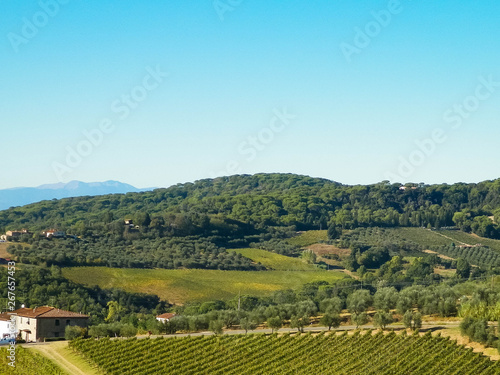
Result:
[14,234]
[53,233]
[130,223]
[40,323]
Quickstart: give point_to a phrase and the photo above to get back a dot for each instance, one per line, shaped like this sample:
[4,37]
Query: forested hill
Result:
[264,200]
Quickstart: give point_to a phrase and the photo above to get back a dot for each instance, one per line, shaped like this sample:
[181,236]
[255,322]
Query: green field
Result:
[287,354]
[275,261]
[309,238]
[190,285]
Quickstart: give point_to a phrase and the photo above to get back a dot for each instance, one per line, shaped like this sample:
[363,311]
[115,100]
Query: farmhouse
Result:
[163,318]
[14,234]
[40,323]
[53,233]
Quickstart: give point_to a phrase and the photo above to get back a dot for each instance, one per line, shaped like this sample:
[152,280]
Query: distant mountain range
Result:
[26,195]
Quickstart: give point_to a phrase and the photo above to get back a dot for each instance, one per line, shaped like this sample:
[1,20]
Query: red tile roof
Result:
[4,317]
[47,312]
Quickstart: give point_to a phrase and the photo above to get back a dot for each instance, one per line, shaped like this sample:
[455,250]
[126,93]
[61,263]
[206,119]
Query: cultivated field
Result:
[308,238]
[470,239]
[287,354]
[422,236]
[181,286]
[275,261]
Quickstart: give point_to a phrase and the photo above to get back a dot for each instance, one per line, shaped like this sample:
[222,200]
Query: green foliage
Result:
[216,326]
[309,256]
[359,301]
[359,319]
[385,299]
[412,320]
[247,324]
[334,232]
[463,268]
[478,330]
[73,332]
[274,323]
[382,318]
[112,330]
[330,320]
[170,253]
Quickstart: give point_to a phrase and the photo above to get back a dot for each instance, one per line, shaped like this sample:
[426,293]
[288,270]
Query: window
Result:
[57,322]
[28,322]
[67,322]
[56,334]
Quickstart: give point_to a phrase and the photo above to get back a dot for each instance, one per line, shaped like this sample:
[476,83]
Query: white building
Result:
[163,318]
[5,324]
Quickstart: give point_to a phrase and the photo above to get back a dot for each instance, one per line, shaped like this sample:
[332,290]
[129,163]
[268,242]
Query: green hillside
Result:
[181,286]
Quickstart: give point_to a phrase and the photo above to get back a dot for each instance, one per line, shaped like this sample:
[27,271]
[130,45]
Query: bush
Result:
[73,332]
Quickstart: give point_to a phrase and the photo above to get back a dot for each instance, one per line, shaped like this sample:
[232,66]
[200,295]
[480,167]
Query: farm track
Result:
[452,239]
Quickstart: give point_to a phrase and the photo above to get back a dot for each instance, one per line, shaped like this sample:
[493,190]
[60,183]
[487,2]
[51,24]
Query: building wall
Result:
[30,324]
[43,328]
[55,327]
[4,328]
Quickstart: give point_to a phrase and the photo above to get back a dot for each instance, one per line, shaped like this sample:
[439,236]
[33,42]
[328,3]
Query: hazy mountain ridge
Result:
[25,195]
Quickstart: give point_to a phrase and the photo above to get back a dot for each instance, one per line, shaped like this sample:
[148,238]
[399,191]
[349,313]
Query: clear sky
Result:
[354,91]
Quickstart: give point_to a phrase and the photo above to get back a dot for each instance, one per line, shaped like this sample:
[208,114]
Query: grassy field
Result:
[275,261]
[181,286]
[309,238]
[3,249]
[471,239]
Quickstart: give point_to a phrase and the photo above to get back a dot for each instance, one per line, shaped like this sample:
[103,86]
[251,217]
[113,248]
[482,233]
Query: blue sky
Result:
[232,66]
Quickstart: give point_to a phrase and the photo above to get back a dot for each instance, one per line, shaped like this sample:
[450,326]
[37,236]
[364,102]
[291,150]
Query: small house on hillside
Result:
[54,233]
[163,318]
[14,234]
[40,323]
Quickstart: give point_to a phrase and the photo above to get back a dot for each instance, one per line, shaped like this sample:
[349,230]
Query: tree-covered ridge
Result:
[244,203]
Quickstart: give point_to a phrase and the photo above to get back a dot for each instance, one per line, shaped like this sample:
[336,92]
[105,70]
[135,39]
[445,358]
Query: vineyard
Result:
[286,354]
[28,363]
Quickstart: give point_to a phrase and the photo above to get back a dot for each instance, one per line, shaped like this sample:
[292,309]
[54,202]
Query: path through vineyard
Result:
[53,352]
